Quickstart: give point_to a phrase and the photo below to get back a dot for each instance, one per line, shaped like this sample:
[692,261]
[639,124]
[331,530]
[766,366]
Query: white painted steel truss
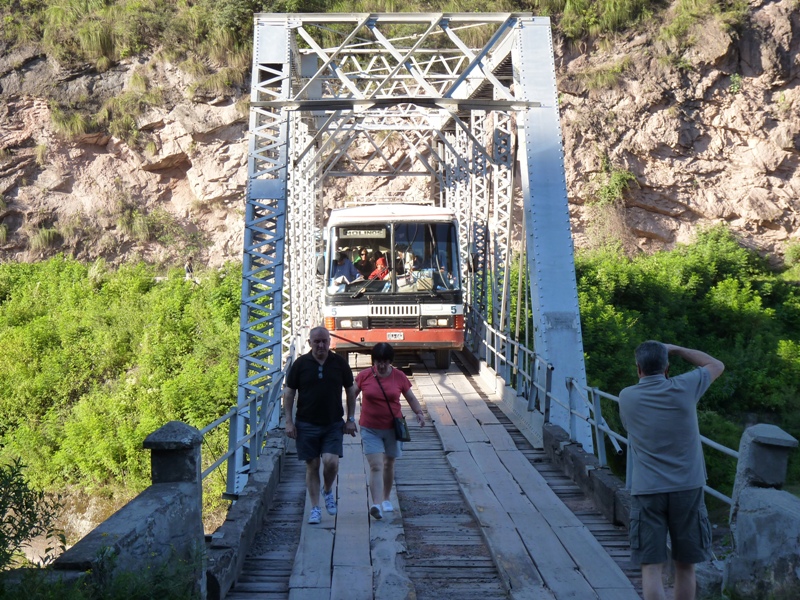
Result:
[458,99]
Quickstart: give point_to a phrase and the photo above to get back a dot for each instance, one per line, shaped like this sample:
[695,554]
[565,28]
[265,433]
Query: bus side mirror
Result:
[321,265]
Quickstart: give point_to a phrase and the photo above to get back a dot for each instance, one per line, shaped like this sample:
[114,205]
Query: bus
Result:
[393,274]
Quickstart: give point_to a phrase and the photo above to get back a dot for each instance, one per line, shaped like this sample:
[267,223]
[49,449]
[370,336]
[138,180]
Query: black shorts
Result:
[682,514]
[315,440]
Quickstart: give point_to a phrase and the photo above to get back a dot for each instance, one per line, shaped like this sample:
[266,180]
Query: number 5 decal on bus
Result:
[453,310]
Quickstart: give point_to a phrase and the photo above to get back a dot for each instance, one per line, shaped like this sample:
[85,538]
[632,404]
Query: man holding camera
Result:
[667,472]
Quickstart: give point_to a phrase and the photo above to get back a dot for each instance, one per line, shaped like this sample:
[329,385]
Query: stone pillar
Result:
[175,461]
[763,458]
[175,453]
[765,521]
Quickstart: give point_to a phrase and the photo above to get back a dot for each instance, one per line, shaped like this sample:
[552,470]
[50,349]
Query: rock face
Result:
[708,135]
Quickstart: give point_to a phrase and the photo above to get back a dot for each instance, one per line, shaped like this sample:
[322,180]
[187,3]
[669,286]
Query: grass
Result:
[44,238]
[39,154]
[69,124]
[688,15]
[607,76]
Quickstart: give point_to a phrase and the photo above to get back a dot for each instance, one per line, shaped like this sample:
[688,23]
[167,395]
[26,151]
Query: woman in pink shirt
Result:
[381,387]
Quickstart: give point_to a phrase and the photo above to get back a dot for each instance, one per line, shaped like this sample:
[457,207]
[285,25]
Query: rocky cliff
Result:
[690,137]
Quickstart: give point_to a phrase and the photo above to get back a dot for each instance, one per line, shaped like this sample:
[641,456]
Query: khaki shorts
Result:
[682,514]
[381,441]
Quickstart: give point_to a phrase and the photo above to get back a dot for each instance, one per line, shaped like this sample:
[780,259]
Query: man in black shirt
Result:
[319,377]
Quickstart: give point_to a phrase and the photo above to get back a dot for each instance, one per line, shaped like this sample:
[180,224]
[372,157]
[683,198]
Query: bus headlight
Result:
[438,322]
[351,323]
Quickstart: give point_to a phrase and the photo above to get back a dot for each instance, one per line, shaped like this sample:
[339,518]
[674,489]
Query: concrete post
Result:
[765,521]
[175,459]
[763,459]
[175,453]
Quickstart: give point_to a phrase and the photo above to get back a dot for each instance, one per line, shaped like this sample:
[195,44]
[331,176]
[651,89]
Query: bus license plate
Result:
[394,335]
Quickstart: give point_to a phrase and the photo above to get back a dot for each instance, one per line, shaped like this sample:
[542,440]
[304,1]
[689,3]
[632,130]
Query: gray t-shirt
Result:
[660,415]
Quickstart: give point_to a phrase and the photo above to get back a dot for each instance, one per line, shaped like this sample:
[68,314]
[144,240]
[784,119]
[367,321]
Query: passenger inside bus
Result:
[343,270]
[363,263]
[381,270]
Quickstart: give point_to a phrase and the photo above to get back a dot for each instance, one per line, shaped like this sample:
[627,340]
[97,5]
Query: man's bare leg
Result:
[330,468]
[312,480]
[652,585]
[685,581]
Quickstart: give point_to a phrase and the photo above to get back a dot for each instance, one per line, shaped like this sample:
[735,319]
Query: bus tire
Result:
[443,359]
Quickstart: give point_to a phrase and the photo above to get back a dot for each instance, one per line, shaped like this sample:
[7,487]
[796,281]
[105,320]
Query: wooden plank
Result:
[536,489]
[498,437]
[508,550]
[388,577]
[480,411]
[501,482]
[309,593]
[351,542]
[439,414]
[452,439]
[596,565]
[551,558]
[351,583]
[312,562]
[469,426]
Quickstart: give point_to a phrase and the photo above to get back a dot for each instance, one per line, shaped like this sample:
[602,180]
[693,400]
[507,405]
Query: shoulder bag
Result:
[400,426]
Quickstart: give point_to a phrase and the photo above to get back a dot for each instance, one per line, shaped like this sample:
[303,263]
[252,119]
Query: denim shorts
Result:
[381,441]
[682,514]
[315,440]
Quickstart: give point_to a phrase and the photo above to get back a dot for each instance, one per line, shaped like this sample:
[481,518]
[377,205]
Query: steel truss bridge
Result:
[472,100]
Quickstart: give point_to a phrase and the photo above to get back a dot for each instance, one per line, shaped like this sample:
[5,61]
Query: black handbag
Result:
[400,426]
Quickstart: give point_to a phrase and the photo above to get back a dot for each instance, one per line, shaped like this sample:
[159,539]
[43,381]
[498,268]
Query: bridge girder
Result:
[467,96]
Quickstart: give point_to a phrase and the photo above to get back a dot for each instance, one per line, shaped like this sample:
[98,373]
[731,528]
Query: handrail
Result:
[265,408]
[518,363]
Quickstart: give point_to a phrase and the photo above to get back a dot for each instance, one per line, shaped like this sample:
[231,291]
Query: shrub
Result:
[792,254]
[44,238]
[25,513]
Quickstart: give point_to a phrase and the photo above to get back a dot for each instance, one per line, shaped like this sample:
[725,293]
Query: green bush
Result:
[85,351]
[714,295]
[25,512]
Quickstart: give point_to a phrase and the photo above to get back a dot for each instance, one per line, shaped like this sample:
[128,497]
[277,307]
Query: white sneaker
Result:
[376,513]
[316,516]
[387,506]
[330,502]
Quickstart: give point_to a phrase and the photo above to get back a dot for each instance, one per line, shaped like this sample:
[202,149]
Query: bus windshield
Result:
[402,258]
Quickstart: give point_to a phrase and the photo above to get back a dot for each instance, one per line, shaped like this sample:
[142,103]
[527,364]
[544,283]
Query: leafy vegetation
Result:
[714,295]
[173,580]
[85,351]
[25,513]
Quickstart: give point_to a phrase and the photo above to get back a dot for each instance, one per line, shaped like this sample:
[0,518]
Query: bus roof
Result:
[390,212]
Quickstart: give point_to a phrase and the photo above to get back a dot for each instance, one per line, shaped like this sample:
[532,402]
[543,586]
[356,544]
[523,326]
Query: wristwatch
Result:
[351,419]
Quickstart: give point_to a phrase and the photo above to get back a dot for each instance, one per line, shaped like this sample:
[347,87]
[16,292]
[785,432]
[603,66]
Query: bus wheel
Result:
[443,359]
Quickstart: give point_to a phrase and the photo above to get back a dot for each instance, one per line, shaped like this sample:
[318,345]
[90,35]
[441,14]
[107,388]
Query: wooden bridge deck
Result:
[475,518]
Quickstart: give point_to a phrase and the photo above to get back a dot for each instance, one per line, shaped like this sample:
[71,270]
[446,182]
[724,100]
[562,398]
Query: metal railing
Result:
[532,376]
[260,414]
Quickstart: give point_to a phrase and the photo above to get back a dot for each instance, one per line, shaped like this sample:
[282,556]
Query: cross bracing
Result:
[458,103]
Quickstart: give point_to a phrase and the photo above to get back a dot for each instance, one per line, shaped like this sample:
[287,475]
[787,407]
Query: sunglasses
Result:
[319,373]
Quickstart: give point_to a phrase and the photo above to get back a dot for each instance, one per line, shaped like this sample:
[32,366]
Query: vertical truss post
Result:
[265,220]
[502,203]
[300,264]
[551,267]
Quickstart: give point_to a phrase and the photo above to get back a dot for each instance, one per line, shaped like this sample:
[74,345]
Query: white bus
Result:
[392,274]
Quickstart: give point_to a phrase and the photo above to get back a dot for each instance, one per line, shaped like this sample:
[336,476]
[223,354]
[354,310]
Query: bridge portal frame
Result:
[326,84]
